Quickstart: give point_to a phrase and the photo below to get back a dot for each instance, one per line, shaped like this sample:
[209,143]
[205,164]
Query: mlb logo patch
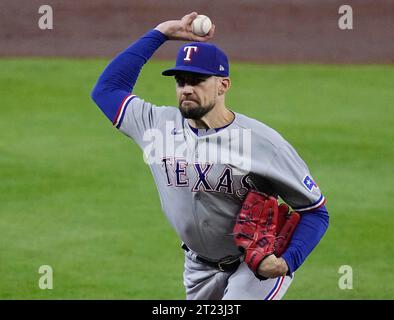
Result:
[309,183]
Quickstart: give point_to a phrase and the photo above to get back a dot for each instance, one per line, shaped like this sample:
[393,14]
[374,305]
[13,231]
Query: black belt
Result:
[225,264]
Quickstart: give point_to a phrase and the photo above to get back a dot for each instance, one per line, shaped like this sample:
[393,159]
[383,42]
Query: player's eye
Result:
[180,81]
[199,80]
[192,81]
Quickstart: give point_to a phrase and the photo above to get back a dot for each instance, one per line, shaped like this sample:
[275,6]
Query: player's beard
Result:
[195,112]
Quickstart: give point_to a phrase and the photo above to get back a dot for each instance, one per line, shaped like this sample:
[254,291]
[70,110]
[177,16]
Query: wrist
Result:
[283,268]
[158,35]
[161,28]
[272,267]
[288,261]
[164,28]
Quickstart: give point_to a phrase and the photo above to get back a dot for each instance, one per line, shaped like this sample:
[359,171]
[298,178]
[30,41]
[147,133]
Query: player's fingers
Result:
[283,209]
[207,37]
[211,32]
[198,38]
[188,19]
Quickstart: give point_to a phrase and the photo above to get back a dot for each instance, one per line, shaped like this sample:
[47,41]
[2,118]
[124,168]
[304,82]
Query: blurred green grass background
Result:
[75,194]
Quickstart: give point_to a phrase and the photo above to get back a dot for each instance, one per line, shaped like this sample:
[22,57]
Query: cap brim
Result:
[176,70]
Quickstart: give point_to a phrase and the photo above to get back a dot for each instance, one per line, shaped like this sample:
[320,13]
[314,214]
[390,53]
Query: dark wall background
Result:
[257,30]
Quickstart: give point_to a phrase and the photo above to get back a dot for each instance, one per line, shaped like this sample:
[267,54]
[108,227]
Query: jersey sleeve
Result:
[292,181]
[136,116]
[112,90]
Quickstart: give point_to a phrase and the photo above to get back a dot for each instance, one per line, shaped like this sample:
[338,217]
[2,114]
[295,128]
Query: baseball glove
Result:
[287,223]
[263,228]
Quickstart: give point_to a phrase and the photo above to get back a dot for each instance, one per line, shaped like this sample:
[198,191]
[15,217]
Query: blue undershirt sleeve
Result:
[119,77]
[311,228]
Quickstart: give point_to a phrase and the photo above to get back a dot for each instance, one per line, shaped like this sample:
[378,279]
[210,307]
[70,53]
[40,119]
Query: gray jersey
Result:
[202,179]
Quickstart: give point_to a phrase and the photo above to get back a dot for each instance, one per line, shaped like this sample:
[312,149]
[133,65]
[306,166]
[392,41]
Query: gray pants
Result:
[203,282]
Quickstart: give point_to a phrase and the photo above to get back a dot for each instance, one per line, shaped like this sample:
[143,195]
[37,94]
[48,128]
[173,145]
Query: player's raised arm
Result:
[113,89]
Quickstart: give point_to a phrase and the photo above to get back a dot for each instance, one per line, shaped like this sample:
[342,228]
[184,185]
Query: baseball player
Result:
[206,159]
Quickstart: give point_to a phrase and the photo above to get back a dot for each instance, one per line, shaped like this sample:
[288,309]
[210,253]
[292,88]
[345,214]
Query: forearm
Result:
[119,77]
[307,235]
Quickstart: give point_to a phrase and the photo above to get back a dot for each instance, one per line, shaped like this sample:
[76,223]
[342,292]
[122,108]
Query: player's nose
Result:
[187,90]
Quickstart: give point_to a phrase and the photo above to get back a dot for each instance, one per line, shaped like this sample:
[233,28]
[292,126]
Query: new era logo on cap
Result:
[200,57]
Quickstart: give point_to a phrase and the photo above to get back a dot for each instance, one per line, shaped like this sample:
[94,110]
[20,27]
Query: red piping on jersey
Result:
[277,290]
[120,108]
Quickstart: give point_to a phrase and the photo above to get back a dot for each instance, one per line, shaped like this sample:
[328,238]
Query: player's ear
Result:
[224,85]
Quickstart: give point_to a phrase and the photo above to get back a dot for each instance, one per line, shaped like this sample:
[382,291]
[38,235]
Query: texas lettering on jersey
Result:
[207,177]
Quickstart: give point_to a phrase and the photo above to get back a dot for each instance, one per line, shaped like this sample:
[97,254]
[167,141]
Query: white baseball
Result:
[201,25]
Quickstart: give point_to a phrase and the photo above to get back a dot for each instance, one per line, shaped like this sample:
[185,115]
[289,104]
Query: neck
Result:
[218,117]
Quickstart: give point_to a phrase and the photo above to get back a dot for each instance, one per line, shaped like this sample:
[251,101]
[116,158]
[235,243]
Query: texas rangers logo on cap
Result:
[202,58]
[189,51]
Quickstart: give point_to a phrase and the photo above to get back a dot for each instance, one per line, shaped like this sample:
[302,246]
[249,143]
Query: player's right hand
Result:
[182,29]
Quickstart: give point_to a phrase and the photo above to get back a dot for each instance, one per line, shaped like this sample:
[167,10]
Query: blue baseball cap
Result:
[200,57]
